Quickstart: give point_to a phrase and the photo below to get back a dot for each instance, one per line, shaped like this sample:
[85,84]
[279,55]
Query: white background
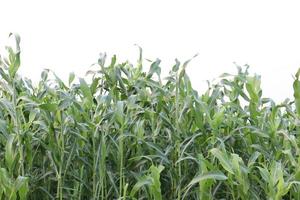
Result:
[69,35]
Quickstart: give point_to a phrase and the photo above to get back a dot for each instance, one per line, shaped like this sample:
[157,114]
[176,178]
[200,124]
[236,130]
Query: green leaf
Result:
[119,113]
[5,180]
[223,159]
[296,86]
[9,152]
[253,87]
[21,185]
[215,175]
[14,65]
[155,187]
[253,158]
[94,85]
[264,174]
[154,68]
[141,183]
[71,77]
[3,127]
[14,56]
[86,91]
[51,107]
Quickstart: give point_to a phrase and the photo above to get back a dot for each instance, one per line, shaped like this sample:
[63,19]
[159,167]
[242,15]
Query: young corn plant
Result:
[125,132]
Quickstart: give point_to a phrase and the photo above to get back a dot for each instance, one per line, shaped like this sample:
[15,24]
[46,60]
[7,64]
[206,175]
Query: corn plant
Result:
[125,132]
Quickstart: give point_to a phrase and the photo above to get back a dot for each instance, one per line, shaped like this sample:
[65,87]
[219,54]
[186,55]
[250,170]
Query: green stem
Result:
[121,153]
[178,129]
[17,125]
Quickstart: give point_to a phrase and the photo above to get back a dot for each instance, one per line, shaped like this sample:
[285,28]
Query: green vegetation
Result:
[128,134]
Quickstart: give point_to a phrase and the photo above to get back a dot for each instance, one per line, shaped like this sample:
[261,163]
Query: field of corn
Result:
[129,134]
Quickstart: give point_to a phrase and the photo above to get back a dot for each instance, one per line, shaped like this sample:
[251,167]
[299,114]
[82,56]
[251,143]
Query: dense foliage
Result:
[128,134]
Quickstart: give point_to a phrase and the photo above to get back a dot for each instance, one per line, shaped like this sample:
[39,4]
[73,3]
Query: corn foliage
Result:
[129,134]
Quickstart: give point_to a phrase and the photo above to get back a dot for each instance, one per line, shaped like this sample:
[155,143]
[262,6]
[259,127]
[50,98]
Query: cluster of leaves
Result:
[128,134]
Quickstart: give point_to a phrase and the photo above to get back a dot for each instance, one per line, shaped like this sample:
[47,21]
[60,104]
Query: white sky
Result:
[69,35]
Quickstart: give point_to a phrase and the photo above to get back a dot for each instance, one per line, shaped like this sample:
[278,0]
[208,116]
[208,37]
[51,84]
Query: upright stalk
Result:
[62,152]
[18,130]
[178,134]
[121,153]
